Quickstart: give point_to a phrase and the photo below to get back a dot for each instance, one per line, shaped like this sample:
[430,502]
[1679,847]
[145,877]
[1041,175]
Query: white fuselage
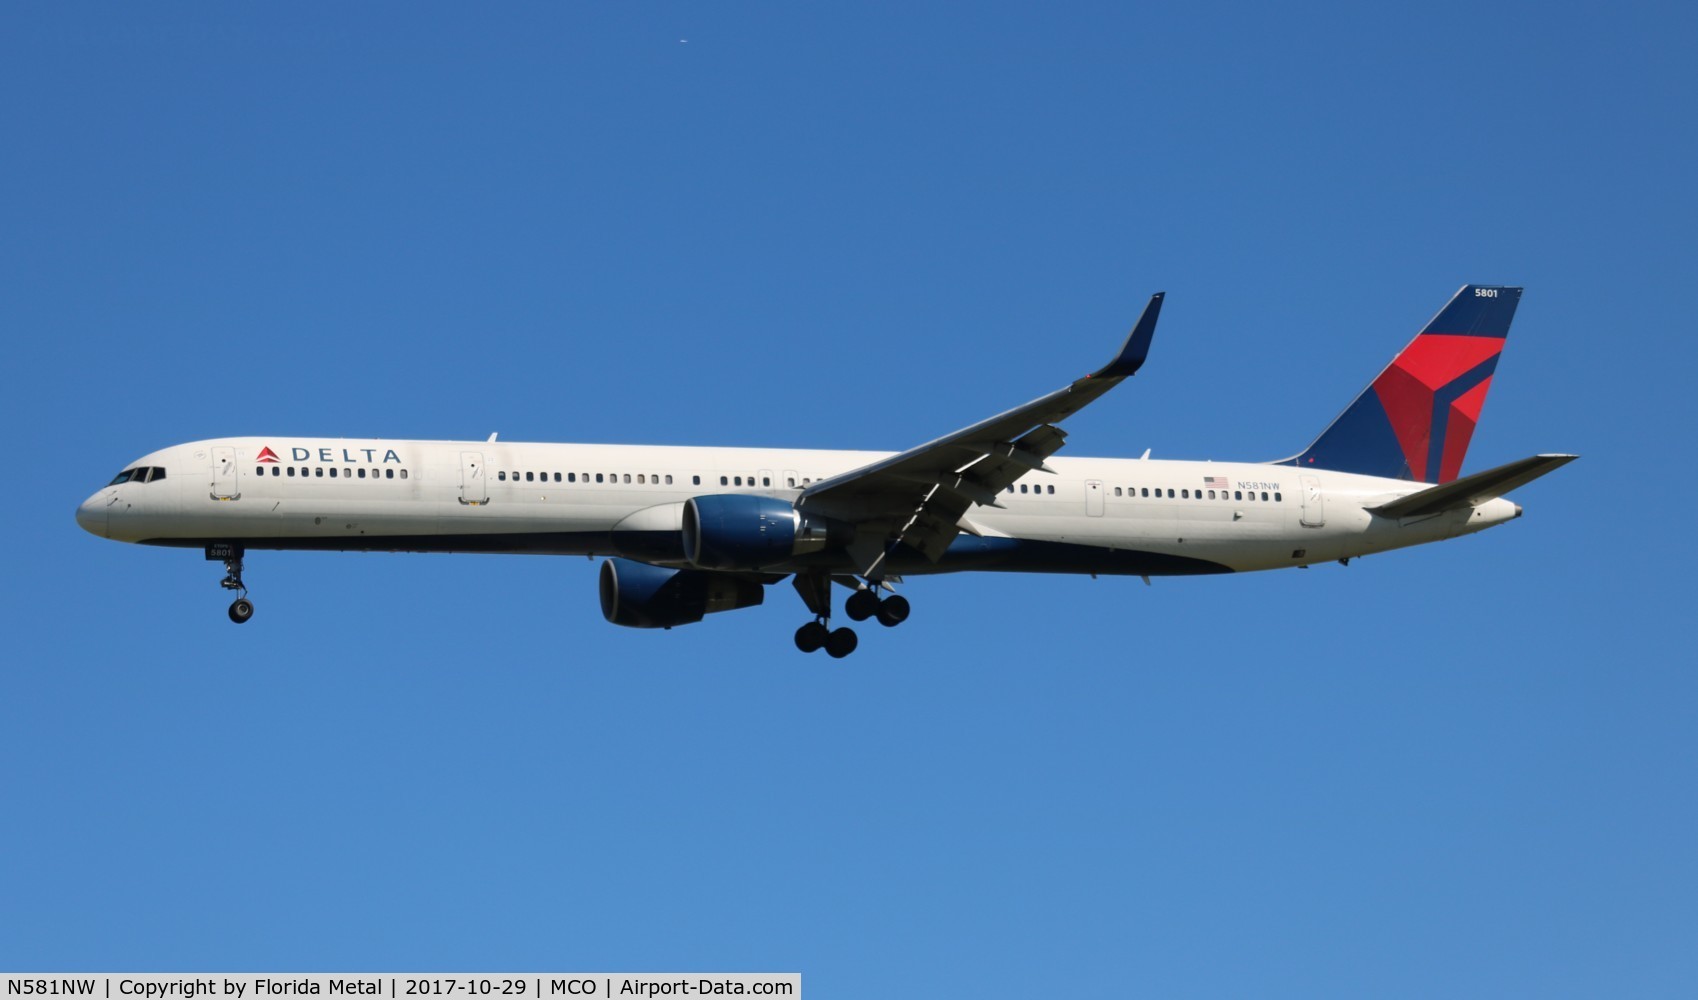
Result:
[1092,515]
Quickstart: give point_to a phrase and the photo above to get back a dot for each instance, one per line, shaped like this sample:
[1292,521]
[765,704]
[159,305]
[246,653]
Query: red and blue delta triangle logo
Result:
[267,455]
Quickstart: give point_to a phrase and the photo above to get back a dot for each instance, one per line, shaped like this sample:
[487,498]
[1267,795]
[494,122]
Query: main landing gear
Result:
[864,603]
[241,609]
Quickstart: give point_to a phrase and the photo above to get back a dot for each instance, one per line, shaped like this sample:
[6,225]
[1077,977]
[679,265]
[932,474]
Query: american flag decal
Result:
[1217,482]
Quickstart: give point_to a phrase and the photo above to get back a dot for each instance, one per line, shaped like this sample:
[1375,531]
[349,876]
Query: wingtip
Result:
[1137,346]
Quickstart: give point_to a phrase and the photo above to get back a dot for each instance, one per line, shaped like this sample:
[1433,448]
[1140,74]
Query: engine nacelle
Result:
[733,531]
[638,595]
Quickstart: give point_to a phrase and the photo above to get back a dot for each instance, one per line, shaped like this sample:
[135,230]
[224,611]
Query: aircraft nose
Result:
[92,516]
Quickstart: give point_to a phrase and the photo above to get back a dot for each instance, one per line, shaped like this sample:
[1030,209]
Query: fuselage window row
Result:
[1174,494]
[641,478]
[318,472]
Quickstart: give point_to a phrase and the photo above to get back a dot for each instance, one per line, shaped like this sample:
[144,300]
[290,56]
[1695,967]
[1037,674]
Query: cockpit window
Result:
[141,474]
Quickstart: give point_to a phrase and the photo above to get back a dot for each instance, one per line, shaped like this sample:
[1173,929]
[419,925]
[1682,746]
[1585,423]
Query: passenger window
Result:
[530,477]
[792,481]
[1264,497]
[318,472]
[259,470]
[1237,495]
[627,477]
[1184,494]
[640,479]
[598,477]
[1278,498]
[571,477]
[1117,491]
[1052,490]
[1146,491]
[389,473]
[291,472]
[1170,494]
[725,480]
[766,480]
[403,473]
[738,480]
[501,476]
[1011,489]
[557,477]
[695,480]
[669,479]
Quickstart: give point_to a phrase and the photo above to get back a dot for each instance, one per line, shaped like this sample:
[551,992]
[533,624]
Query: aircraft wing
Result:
[924,493]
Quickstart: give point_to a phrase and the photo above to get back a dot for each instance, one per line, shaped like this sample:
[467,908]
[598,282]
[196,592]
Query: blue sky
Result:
[1461,770]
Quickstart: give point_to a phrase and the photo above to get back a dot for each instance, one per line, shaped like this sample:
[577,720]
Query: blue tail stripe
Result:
[1477,311]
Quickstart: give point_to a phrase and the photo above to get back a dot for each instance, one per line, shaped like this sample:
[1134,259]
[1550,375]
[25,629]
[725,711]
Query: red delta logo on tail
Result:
[1416,419]
[267,455]
[1432,395]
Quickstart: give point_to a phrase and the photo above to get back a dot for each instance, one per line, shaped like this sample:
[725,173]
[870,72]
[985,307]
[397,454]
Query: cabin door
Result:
[474,487]
[1094,497]
[224,474]
[1314,502]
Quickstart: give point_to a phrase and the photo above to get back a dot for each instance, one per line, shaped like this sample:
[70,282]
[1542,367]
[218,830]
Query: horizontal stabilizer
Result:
[1471,491]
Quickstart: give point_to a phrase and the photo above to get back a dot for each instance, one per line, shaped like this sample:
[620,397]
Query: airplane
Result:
[691,531]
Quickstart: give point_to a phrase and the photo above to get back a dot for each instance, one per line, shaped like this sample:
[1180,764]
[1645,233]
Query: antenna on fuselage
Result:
[492,438]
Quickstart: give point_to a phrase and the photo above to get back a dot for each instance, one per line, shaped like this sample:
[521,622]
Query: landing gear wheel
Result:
[861,605]
[812,636]
[841,643]
[241,609]
[893,611]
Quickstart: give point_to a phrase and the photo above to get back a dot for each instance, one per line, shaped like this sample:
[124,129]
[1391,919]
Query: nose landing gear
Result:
[241,609]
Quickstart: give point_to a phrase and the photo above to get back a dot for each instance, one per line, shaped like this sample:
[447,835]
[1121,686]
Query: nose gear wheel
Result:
[241,609]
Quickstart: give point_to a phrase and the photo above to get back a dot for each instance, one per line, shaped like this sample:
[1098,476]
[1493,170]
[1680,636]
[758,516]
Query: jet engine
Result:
[731,531]
[638,595]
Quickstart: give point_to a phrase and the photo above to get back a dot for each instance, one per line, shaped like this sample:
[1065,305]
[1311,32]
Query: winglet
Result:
[1137,346]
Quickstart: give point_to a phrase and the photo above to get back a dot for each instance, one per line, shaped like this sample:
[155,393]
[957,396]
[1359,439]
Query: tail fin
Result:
[1415,420]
